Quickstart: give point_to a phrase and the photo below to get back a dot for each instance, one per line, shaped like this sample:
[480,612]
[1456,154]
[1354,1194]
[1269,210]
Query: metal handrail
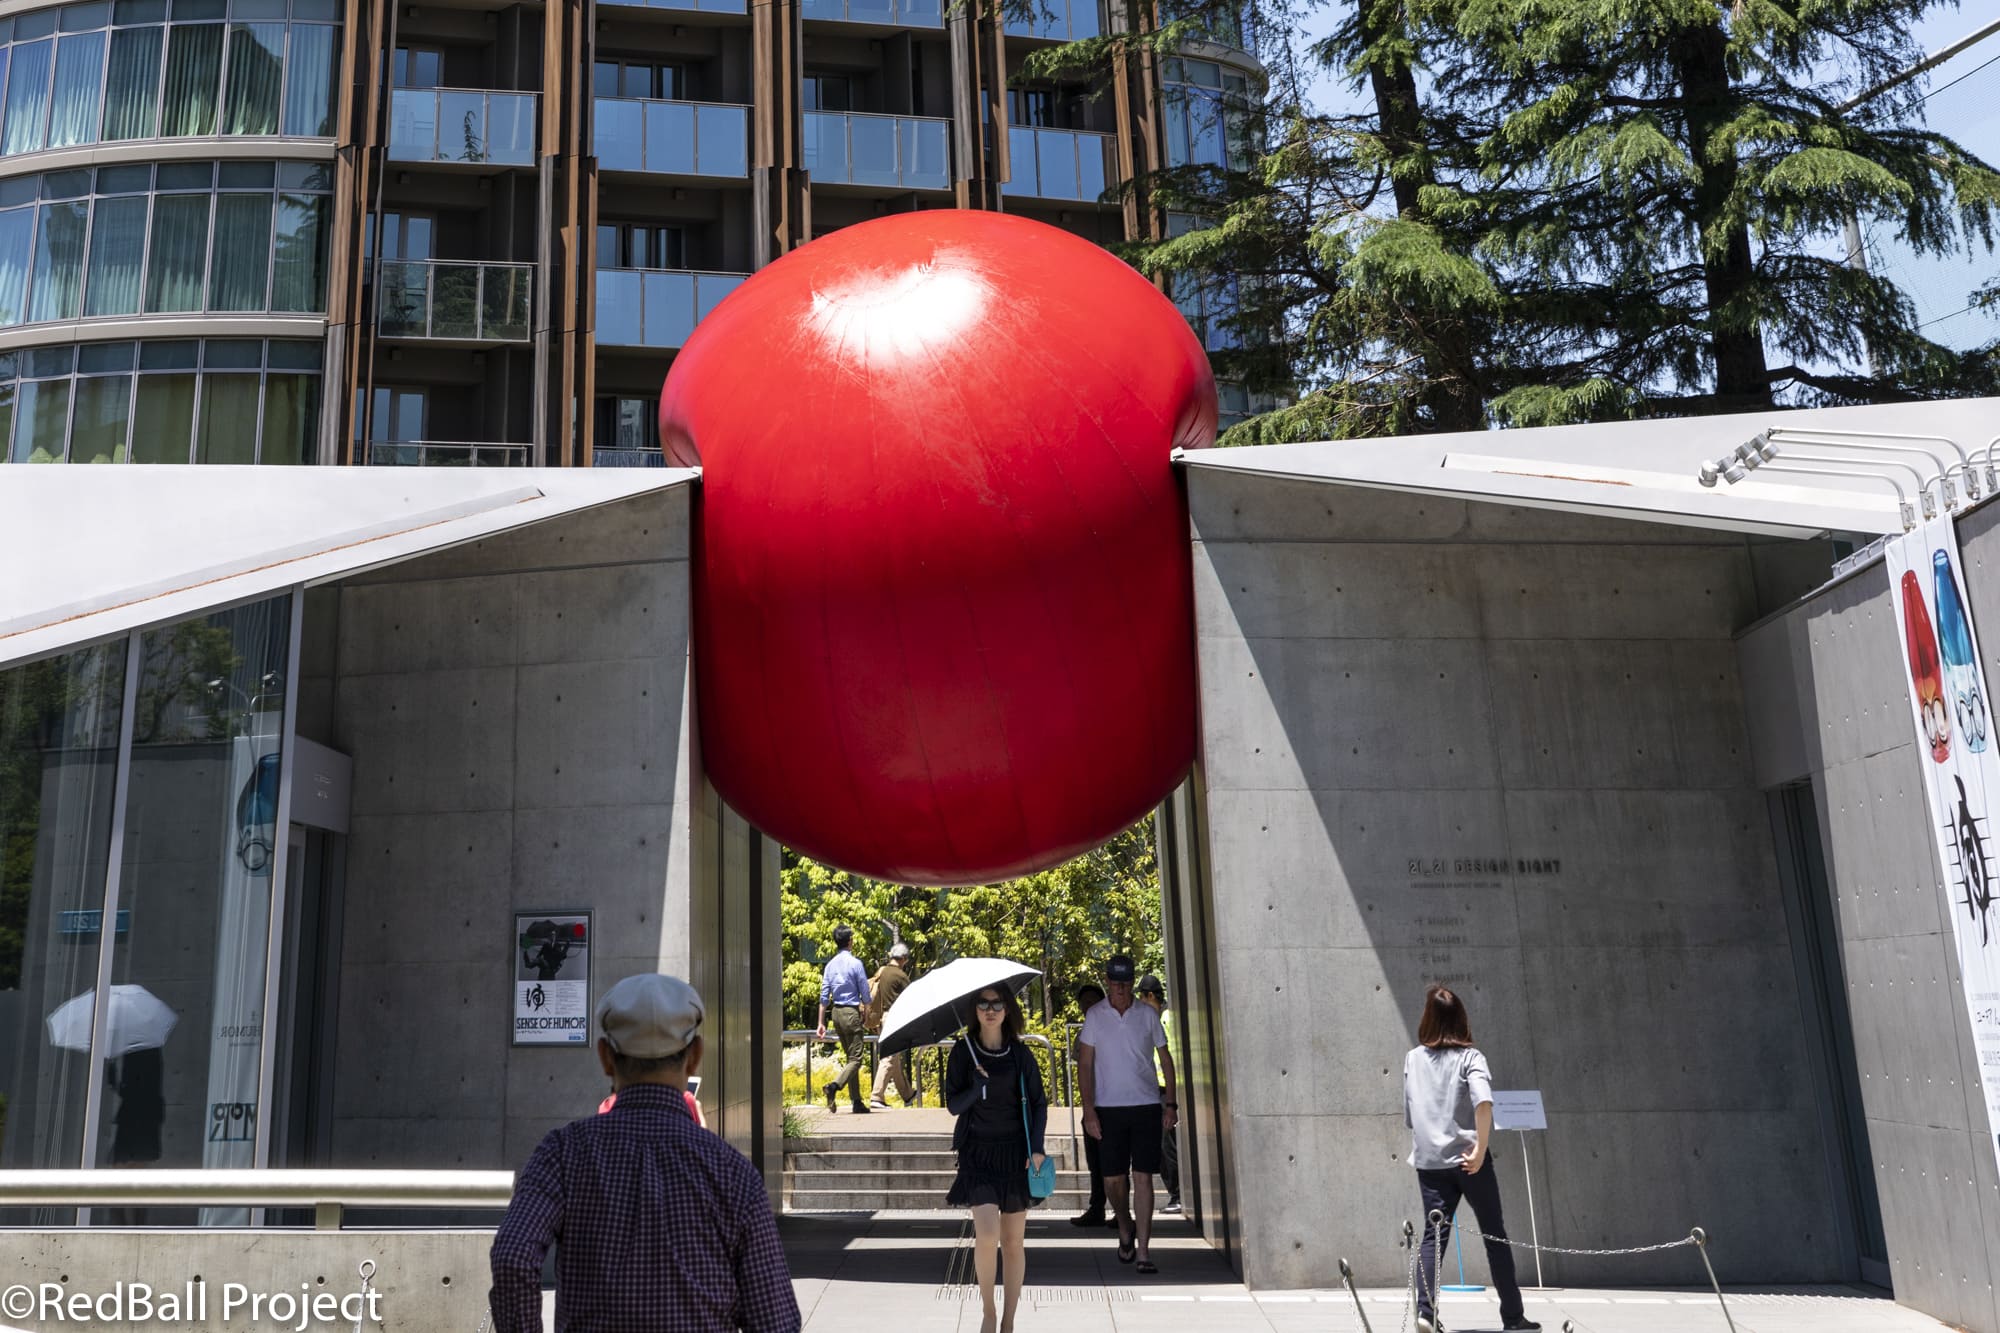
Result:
[327,1193]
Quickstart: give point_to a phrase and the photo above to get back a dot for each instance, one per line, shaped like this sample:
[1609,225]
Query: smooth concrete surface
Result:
[858,1275]
[518,712]
[1919,1086]
[1505,750]
[429,1281]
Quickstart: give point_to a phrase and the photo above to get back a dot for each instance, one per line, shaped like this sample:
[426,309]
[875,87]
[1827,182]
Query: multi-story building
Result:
[341,231]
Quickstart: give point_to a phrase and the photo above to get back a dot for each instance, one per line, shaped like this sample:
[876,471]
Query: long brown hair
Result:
[1012,1024]
[1444,1022]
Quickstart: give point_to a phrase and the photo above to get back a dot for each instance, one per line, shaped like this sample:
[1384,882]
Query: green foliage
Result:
[1555,211]
[1064,921]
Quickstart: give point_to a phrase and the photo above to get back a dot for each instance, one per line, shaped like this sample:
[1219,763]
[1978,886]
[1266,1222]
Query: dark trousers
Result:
[1096,1165]
[1442,1190]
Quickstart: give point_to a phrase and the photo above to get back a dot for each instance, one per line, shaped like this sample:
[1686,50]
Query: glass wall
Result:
[199,846]
[58,761]
[222,400]
[141,69]
[179,238]
[1207,109]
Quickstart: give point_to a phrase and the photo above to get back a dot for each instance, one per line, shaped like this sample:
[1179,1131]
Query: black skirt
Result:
[995,1172]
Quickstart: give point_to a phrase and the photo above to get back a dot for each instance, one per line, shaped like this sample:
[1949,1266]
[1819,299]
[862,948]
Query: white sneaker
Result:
[1429,1325]
[1171,1206]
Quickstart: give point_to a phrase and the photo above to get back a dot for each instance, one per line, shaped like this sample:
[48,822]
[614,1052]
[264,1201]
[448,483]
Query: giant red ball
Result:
[943,600]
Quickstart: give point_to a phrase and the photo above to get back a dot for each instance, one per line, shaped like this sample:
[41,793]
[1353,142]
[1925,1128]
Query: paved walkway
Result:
[906,1273]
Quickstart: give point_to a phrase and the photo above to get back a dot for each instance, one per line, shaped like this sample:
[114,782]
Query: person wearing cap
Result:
[885,986]
[1154,996]
[843,990]
[658,1225]
[1088,996]
[1125,1106]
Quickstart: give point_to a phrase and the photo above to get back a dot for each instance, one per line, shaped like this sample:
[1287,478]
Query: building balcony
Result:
[462,126]
[878,13]
[901,152]
[656,307]
[435,453]
[1060,164]
[452,301]
[686,6]
[627,458]
[1058,21]
[672,138]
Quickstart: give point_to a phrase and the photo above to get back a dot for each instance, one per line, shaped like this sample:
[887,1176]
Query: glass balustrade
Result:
[460,125]
[674,138]
[905,152]
[1059,164]
[656,307]
[882,13]
[689,6]
[1057,20]
[435,453]
[627,458]
[459,301]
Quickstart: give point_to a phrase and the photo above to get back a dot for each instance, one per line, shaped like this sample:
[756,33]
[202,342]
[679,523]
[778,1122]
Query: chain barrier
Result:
[1436,1227]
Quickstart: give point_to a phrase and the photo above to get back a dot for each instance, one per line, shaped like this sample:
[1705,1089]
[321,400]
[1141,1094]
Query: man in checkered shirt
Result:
[659,1226]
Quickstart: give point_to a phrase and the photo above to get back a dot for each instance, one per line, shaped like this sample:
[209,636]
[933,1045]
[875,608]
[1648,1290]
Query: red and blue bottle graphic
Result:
[1926,678]
[1961,672]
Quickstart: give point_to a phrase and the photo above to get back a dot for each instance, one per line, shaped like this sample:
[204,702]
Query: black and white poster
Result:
[552,978]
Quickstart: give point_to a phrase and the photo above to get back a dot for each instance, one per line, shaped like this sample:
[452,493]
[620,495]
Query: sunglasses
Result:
[992,1006]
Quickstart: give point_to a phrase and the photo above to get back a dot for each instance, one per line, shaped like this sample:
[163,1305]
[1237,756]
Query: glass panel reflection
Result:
[58,761]
[618,306]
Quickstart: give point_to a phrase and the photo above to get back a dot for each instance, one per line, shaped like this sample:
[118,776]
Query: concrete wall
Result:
[519,715]
[1503,749]
[1840,719]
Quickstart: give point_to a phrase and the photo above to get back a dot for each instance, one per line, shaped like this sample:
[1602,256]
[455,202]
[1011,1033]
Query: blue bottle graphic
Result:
[1961,673]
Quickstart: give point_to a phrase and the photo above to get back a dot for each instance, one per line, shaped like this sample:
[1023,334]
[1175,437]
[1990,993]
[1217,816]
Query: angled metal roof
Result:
[91,552]
[1641,470]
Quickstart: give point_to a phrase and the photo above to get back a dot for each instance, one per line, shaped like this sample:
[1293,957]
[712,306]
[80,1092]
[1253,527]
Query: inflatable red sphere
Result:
[943,601]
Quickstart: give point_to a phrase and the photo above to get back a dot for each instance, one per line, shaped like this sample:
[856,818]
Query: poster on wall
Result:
[1951,711]
[551,978]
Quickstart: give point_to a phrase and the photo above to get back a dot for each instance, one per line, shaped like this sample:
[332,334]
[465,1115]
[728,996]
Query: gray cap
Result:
[650,1016]
[899,950]
[1150,985]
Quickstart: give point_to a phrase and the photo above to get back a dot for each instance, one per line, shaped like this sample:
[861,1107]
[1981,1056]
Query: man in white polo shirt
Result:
[1125,1107]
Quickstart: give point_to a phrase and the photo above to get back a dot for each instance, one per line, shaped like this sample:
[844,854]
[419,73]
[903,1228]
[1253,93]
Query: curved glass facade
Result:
[218,400]
[1207,110]
[142,69]
[179,238]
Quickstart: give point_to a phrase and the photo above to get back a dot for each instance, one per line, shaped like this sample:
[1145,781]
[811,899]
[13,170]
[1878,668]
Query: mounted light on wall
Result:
[1760,453]
[1924,447]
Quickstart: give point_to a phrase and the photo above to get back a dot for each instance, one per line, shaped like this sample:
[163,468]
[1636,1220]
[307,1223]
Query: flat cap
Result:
[650,1015]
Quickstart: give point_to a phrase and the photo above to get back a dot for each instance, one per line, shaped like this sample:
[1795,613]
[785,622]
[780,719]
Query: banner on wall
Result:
[551,978]
[1950,708]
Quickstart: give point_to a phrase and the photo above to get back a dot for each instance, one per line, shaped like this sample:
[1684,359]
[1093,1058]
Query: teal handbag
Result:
[1041,1180]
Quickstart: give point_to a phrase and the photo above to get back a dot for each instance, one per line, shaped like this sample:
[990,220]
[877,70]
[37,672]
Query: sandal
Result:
[1148,1266]
[1127,1251]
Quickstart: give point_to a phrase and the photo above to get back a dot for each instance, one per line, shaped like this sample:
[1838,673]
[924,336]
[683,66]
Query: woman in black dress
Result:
[985,1082]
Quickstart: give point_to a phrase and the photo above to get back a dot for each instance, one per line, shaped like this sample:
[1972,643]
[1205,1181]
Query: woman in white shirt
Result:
[1448,1105]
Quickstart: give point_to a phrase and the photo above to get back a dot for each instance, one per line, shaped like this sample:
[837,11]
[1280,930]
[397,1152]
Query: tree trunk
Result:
[1451,379]
[1742,379]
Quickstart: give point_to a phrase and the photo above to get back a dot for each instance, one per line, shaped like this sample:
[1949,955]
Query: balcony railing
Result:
[689,6]
[455,301]
[627,458]
[1060,164]
[906,152]
[1057,20]
[674,138]
[461,125]
[656,307]
[881,13]
[445,453]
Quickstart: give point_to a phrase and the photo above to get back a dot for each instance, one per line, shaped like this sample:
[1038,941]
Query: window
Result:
[627,423]
[105,71]
[419,66]
[640,78]
[398,415]
[219,401]
[1207,110]
[404,236]
[831,92]
[183,237]
[635,245]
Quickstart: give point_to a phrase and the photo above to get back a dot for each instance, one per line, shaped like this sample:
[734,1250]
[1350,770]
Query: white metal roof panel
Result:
[90,552]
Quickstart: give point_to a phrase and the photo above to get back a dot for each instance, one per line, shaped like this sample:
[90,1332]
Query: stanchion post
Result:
[1534,1232]
[1347,1280]
[1700,1239]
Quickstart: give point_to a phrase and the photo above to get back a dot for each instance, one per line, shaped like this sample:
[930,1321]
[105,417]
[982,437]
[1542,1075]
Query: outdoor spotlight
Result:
[1727,467]
[1707,475]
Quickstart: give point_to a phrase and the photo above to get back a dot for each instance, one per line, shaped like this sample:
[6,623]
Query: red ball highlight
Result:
[943,603]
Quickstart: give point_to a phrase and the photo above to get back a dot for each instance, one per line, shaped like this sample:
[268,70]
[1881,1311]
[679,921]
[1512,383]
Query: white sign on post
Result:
[1519,1110]
[1950,712]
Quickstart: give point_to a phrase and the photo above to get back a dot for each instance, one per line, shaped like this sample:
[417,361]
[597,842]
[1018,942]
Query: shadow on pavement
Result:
[917,1250]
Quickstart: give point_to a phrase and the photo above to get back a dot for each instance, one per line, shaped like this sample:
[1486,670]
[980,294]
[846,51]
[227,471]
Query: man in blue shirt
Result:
[843,990]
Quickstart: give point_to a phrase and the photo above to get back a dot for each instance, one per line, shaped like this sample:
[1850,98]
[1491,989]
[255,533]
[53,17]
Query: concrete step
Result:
[863,1182]
[907,1200]
[892,1162]
[870,1143]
